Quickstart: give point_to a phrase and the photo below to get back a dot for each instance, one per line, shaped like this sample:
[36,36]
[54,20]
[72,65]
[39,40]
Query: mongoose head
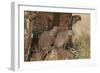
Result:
[76,18]
[54,30]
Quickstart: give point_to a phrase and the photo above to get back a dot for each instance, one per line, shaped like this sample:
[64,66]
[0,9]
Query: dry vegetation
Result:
[56,36]
[82,30]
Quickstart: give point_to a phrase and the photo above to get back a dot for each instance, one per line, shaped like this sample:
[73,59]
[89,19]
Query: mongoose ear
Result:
[75,19]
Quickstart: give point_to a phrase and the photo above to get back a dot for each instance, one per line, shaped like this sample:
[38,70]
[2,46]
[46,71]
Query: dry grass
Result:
[82,31]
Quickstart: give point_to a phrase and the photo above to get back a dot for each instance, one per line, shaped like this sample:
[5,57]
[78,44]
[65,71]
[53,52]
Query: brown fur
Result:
[46,39]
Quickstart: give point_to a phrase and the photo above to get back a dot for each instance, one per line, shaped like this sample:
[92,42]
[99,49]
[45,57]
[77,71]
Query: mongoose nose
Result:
[79,17]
